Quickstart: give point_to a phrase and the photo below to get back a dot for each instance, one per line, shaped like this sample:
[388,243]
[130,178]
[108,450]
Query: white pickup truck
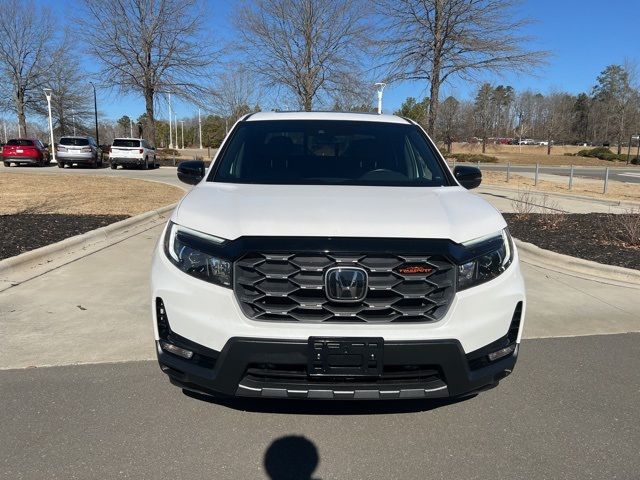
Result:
[335,256]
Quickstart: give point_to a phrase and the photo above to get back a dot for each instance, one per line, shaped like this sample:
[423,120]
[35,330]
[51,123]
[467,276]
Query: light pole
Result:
[170,118]
[380,86]
[47,92]
[175,117]
[199,129]
[130,127]
[95,112]
[73,117]
[4,124]
[182,128]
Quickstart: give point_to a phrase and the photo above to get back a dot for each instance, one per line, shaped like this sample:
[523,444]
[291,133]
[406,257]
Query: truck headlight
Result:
[496,259]
[193,252]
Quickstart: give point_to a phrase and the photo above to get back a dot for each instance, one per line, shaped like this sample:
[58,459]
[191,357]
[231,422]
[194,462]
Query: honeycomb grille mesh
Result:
[290,287]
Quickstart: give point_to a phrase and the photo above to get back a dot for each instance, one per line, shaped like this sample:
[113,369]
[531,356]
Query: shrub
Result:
[602,153]
[471,157]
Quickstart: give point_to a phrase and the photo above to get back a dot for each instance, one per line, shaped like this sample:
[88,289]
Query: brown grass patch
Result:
[582,187]
[532,154]
[75,194]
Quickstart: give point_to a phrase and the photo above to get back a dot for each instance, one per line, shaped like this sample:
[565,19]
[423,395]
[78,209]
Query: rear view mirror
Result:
[468,177]
[191,171]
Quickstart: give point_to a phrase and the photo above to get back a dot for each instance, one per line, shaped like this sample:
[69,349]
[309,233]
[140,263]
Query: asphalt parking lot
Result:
[570,411]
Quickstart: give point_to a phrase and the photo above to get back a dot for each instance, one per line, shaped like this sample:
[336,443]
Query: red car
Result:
[29,151]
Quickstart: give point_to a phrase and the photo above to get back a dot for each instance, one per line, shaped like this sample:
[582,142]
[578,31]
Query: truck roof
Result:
[345,116]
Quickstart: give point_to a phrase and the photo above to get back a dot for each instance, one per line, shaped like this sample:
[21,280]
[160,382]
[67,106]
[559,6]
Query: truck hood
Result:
[235,210]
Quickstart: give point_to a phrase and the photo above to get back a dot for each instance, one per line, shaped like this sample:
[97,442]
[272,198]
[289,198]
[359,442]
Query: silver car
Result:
[79,151]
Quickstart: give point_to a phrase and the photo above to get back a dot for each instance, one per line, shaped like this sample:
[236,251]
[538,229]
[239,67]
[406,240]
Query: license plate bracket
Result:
[345,356]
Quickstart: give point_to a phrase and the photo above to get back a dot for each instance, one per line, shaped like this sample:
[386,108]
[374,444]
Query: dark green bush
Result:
[602,153]
[471,157]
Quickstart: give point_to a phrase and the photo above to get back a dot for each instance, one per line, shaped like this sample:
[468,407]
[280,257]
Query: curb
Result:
[23,267]
[578,267]
[612,203]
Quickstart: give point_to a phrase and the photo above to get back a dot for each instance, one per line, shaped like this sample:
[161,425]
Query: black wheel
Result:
[146,163]
[114,166]
[6,164]
[60,165]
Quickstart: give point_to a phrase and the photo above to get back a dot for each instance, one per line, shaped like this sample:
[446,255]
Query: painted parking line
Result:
[630,174]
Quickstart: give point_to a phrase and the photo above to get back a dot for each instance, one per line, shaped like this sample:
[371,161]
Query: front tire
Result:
[60,165]
[114,166]
[7,164]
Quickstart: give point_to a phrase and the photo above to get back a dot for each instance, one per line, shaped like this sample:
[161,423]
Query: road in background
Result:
[629,174]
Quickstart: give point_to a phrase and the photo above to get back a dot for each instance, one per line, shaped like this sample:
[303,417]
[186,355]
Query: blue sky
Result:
[584,36]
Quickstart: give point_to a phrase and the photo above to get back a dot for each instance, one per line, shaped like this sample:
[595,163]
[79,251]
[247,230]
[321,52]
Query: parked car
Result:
[335,256]
[25,151]
[527,141]
[132,152]
[79,151]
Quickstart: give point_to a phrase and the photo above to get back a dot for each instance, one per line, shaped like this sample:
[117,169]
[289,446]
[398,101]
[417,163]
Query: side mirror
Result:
[191,171]
[468,177]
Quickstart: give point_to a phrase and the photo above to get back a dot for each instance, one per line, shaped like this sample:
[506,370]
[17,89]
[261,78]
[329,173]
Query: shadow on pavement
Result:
[291,457]
[331,407]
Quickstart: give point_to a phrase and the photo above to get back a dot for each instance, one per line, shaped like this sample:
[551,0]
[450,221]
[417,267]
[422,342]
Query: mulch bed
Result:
[599,237]
[25,231]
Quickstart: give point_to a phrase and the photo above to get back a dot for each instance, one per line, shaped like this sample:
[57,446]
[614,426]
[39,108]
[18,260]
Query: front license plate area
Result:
[345,357]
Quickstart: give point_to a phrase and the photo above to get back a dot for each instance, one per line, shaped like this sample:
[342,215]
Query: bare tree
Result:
[484,112]
[309,47]
[25,46]
[71,102]
[235,94]
[449,122]
[435,40]
[149,46]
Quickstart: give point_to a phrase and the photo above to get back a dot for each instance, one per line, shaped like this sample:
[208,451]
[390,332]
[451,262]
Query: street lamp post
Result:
[130,127]
[175,117]
[4,124]
[95,112]
[182,128]
[199,129]
[47,92]
[380,86]
[170,118]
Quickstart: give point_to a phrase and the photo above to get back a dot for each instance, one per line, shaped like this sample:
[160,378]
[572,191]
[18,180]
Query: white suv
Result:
[335,256]
[132,152]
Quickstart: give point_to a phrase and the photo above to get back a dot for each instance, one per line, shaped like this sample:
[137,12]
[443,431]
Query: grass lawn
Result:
[532,154]
[81,195]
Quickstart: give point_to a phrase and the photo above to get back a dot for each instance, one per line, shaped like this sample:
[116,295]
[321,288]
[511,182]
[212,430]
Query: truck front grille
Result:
[291,287]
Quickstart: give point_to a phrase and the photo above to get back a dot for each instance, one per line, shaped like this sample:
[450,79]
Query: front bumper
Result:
[251,367]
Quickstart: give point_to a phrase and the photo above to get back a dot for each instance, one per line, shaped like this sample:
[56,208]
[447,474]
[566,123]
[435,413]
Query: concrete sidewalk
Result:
[503,198]
[96,309]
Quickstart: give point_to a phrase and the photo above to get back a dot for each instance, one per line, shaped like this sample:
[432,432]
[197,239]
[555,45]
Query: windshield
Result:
[126,143]
[323,152]
[20,142]
[78,142]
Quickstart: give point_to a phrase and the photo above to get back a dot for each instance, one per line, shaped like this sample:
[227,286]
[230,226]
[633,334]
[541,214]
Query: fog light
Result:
[181,352]
[502,352]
